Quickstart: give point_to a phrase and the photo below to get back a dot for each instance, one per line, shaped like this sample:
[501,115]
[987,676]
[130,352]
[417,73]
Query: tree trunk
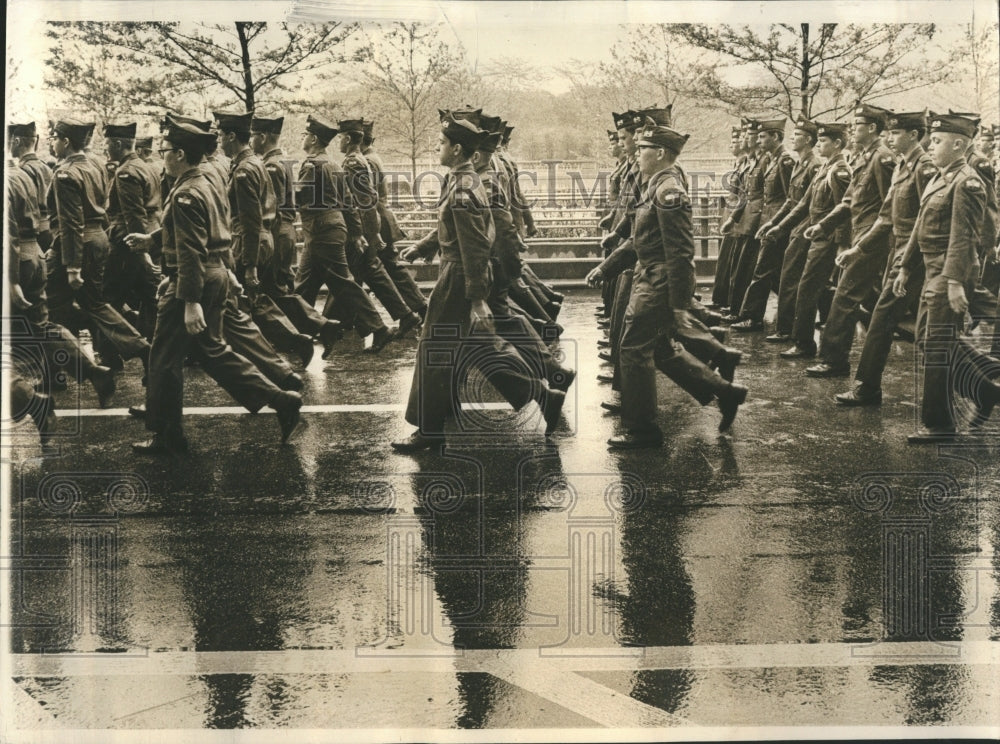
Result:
[247,71]
[806,64]
[413,145]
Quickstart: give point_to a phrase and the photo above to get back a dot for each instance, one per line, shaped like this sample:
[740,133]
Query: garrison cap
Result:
[324,131]
[809,127]
[462,131]
[996,131]
[869,114]
[145,143]
[204,126]
[21,130]
[832,130]
[751,125]
[662,116]
[369,128]
[988,131]
[961,124]
[468,114]
[773,125]
[494,124]
[260,125]
[189,136]
[655,135]
[348,126]
[230,122]
[907,121]
[623,120]
[507,129]
[737,132]
[73,129]
[490,141]
[121,131]
[612,135]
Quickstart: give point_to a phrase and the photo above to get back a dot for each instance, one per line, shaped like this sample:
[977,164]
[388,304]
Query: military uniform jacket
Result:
[950,221]
[41,176]
[362,184]
[134,201]
[615,180]
[747,218]
[985,170]
[194,228]
[798,184]
[252,208]
[869,184]
[390,230]
[825,192]
[507,243]
[279,168]
[899,210]
[23,219]
[324,199]
[465,231]
[663,233]
[77,198]
[777,180]
[630,195]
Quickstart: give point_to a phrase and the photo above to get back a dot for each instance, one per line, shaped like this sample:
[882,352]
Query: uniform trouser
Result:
[723,271]
[517,330]
[816,273]
[744,263]
[792,265]
[22,394]
[648,345]
[450,348]
[324,261]
[38,342]
[281,275]
[766,277]
[245,338]
[272,322]
[527,301]
[171,343]
[889,310]
[132,278]
[406,285]
[623,290]
[368,269]
[103,318]
[532,280]
[856,287]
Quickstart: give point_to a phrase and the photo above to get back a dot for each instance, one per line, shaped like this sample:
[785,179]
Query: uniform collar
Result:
[241,156]
[915,154]
[465,167]
[28,156]
[189,174]
[76,157]
[275,151]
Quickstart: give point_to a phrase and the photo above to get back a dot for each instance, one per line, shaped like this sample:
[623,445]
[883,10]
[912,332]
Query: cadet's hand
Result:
[532,231]
[811,233]
[162,287]
[17,298]
[139,242]
[899,283]
[595,277]
[764,230]
[481,316]
[609,241]
[194,318]
[847,257]
[250,280]
[682,319]
[75,278]
[773,233]
[409,253]
[727,227]
[956,298]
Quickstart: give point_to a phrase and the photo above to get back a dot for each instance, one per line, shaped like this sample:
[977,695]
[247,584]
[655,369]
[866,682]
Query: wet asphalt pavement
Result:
[809,568]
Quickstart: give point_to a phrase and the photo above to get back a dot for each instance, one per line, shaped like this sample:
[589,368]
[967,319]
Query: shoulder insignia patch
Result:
[241,174]
[886,160]
[62,174]
[184,199]
[843,173]
[973,184]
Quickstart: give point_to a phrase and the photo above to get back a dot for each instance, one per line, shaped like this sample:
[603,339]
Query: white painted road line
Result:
[239,410]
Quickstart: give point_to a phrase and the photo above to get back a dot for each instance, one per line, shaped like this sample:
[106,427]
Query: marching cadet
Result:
[825,192]
[777,177]
[464,235]
[276,277]
[23,147]
[389,229]
[745,221]
[734,182]
[792,245]
[133,207]
[329,220]
[895,221]
[194,244]
[520,209]
[26,276]
[252,210]
[78,198]
[617,151]
[662,291]
[947,237]
[872,167]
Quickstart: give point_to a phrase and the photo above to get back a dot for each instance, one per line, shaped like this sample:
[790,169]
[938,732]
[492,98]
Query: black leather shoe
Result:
[720,333]
[44,416]
[710,318]
[562,379]
[615,408]
[417,442]
[605,356]
[605,378]
[293,382]
[304,348]
[551,332]
[138,411]
[330,334]
[635,441]
[931,436]
[729,403]
[748,326]
[860,395]
[604,323]
[825,370]
[288,405]
[557,297]
[731,319]
[725,363]
[407,324]
[990,397]
[160,445]
[599,310]
[603,343]
[778,338]
[381,337]
[114,362]
[103,381]
[552,403]
[553,308]
[797,352]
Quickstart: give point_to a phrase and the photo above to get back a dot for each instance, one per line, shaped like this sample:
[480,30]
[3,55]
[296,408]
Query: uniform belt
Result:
[92,231]
[28,248]
[214,258]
